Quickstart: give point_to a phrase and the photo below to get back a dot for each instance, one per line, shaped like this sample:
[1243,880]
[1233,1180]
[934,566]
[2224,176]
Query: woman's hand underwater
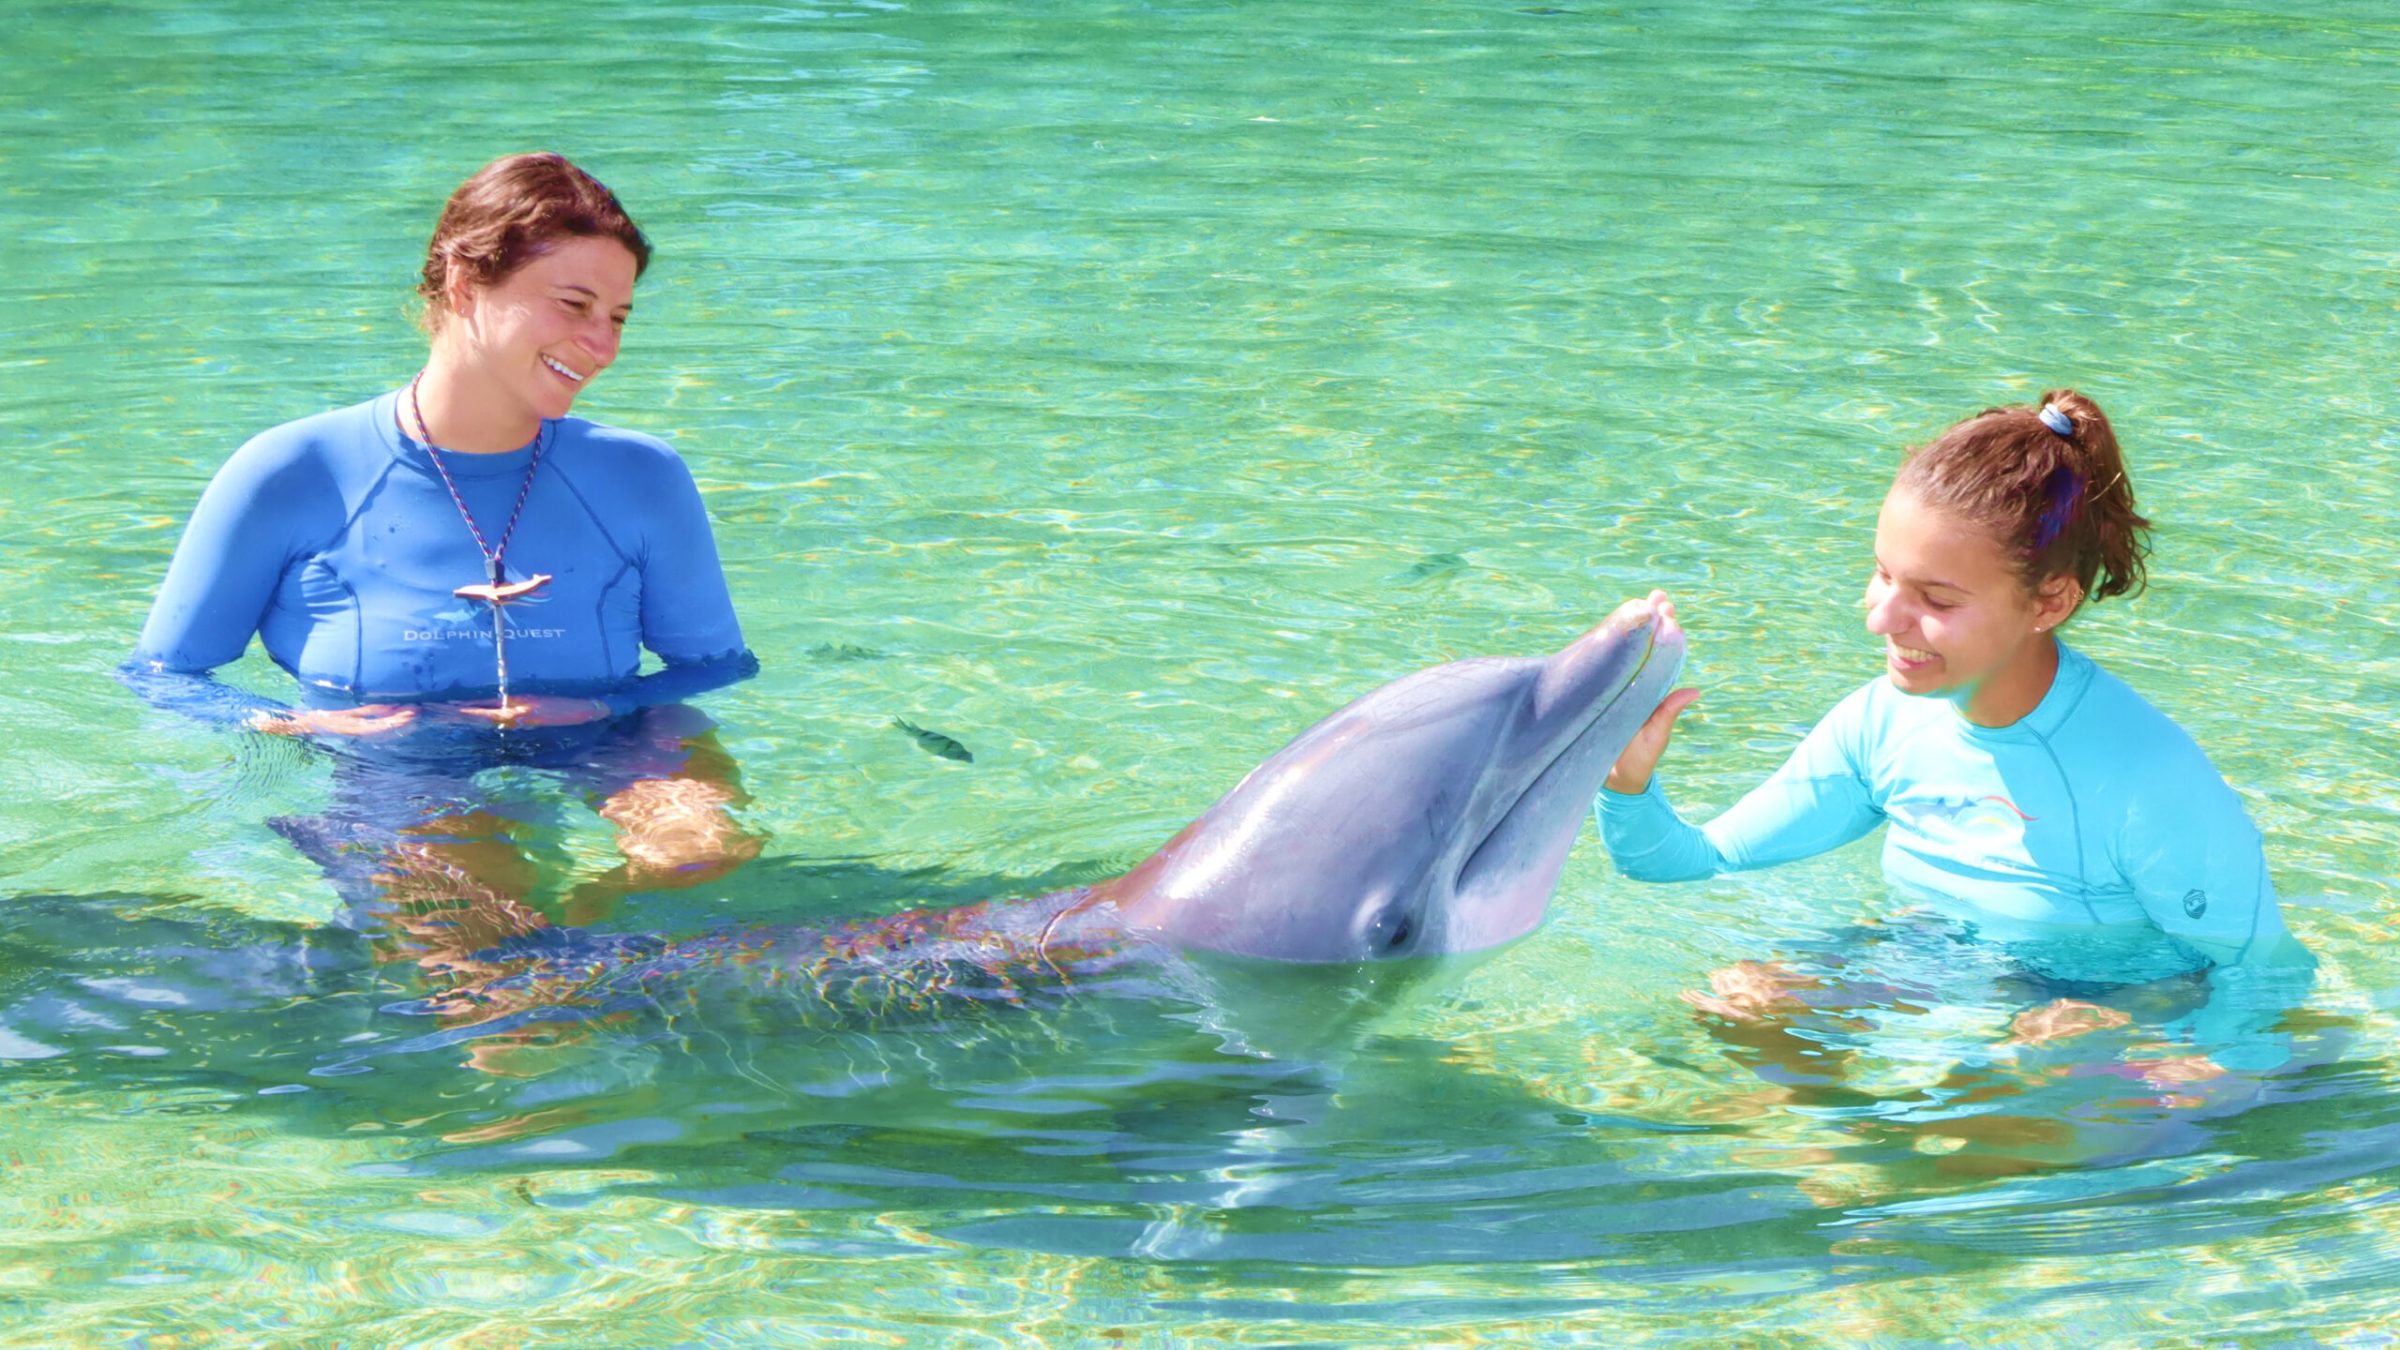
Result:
[537,710]
[1631,775]
[377,719]
[367,719]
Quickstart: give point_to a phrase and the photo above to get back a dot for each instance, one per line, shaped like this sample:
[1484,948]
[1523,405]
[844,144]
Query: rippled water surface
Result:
[1113,389]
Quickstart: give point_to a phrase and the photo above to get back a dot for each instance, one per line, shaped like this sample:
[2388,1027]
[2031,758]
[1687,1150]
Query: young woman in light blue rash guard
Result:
[373,550]
[2024,788]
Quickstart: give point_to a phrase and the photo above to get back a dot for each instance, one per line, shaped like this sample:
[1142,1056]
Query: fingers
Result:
[539,710]
[1709,1003]
[2062,1019]
[1750,991]
[1631,774]
[368,719]
[2180,1070]
[377,724]
[1662,718]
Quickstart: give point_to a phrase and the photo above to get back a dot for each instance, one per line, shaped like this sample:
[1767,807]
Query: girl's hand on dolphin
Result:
[1631,774]
[367,719]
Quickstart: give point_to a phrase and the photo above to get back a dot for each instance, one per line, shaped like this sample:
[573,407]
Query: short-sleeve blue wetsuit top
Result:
[2092,810]
[334,540]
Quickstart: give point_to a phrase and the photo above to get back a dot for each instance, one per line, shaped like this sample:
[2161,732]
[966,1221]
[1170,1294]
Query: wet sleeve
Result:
[687,612]
[1818,800]
[1649,841]
[223,575]
[195,695]
[225,570]
[682,680]
[2199,867]
[2242,1025]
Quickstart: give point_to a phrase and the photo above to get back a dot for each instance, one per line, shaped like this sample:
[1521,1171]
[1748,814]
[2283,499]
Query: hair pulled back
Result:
[2061,503]
[511,211]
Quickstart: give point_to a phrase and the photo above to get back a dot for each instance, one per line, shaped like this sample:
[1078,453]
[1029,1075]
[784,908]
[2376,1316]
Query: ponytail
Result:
[2049,482]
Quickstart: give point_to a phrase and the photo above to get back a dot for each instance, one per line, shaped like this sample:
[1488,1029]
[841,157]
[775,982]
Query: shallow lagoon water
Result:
[1114,389]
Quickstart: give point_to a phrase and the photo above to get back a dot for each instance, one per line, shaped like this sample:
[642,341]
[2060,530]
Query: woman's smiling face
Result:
[1955,615]
[546,329]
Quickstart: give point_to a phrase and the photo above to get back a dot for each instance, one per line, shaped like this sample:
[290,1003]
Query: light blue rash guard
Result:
[333,539]
[2094,810]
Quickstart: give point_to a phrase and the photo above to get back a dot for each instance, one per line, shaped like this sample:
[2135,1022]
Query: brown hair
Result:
[2059,500]
[513,210]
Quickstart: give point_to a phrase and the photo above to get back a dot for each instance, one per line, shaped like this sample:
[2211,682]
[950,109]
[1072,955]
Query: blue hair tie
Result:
[2058,422]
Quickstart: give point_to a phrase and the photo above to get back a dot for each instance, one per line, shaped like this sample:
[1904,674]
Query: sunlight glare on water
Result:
[1112,390]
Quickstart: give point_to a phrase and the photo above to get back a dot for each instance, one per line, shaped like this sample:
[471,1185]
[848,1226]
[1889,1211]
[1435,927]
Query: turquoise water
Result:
[1115,389]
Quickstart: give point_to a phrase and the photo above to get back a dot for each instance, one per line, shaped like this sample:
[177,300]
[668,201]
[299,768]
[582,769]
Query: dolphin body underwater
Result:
[1430,817]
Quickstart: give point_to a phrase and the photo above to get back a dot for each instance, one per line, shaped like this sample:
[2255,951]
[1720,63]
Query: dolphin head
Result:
[1431,816]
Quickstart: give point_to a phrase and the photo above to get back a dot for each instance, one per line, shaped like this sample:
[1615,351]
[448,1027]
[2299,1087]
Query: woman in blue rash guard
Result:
[2029,794]
[374,550]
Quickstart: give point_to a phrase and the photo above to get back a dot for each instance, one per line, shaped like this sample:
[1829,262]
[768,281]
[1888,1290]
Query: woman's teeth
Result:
[1911,654]
[554,365]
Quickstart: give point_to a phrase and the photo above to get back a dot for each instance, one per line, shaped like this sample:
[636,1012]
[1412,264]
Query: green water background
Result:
[1115,389]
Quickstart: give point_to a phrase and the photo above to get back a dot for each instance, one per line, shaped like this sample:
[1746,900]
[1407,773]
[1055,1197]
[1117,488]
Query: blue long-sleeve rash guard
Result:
[2094,810]
[333,539]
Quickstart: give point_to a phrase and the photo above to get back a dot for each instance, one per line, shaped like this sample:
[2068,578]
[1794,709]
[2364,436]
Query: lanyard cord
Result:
[491,556]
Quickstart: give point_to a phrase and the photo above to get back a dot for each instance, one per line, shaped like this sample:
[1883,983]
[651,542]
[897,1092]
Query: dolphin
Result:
[1429,817]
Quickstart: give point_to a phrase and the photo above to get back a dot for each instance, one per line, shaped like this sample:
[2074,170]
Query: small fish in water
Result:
[844,651]
[935,742]
[1433,567]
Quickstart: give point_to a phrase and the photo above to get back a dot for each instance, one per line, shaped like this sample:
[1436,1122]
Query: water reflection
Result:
[446,851]
[1933,1060]
[1899,1075]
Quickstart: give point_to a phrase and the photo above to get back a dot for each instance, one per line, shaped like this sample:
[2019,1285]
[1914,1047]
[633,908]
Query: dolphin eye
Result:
[1384,927]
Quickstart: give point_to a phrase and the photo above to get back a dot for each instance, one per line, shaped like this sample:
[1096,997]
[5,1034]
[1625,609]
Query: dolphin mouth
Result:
[1541,787]
[1592,714]
[1599,709]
